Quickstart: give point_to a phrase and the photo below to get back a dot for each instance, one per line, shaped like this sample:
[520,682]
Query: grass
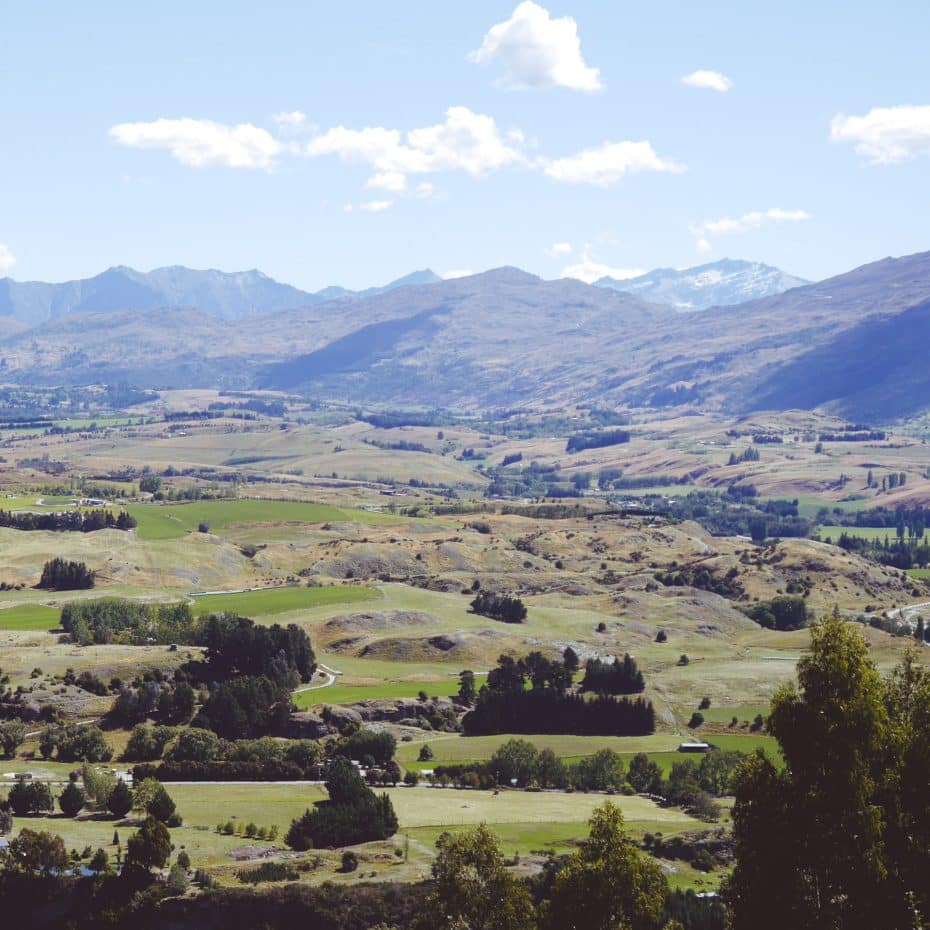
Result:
[172,521]
[832,533]
[922,573]
[29,618]
[388,690]
[281,600]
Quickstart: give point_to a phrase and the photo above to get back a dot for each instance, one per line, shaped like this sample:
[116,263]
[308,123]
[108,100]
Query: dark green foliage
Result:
[499,607]
[36,852]
[147,742]
[349,861]
[64,575]
[235,646]
[75,743]
[71,800]
[353,814]
[694,913]
[73,521]
[30,797]
[700,576]
[780,613]
[12,734]
[119,802]
[467,690]
[112,619]
[246,708]
[380,746]
[613,677]
[268,872]
[645,775]
[150,847]
[596,440]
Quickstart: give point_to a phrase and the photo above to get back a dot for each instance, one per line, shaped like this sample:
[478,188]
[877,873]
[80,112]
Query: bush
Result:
[119,802]
[697,719]
[349,861]
[426,754]
[268,872]
[71,800]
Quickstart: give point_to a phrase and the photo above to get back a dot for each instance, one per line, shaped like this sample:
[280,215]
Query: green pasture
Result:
[922,573]
[171,521]
[281,600]
[29,618]
[832,533]
[388,690]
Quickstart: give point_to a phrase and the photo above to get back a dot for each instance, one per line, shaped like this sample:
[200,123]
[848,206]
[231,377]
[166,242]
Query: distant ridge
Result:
[224,295]
[718,284]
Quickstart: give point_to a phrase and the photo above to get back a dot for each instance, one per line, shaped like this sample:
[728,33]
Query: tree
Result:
[514,761]
[151,797]
[100,861]
[426,754]
[607,884]
[64,575]
[150,847]
[71,800]
[467,690]
[119,802]
[184,860]
[644,774]
[33,797]
[12,734]
[570,659]
[836,831]
[474,890]
[37,851]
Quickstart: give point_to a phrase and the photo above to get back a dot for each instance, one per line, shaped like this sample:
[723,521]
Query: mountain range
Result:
[854,344]
[227,296]
[236,295]
[720,284]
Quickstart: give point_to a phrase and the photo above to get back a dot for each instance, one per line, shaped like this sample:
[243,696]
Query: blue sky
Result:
[559,137]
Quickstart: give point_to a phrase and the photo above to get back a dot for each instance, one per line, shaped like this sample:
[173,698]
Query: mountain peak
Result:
[722,283]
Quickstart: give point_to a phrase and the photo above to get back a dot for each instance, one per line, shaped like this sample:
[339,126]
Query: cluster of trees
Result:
[64,575]
[749,454]
[236,646]
[353,814]
[200,755]
[505,704]
[366,746]
[12,734]
[74,743]
[617,677]
[863,435]
[780,613]
[170,701]
[898,553]
[67,521]
[499,607]
[596,439]
[116,619]
[246,708]
[840,835]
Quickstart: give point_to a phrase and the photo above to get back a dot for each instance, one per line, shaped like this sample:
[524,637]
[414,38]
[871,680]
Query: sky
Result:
[351,143]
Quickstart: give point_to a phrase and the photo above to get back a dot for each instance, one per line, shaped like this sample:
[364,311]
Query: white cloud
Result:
[465,141]
[449,275]
[7,258]
[559,248]
[347,208]
[538,51]
[886,135]
[426,190]
[293,120]
[199,143]
[703,246]
[609,162]
[708,80]
[377,206]
[748,221]
[590,271]
[393,181]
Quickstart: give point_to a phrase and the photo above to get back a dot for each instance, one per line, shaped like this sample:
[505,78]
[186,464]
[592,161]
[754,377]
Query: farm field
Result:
[171,521]
[263,603]
[832,533]
[388,690]
[29,617]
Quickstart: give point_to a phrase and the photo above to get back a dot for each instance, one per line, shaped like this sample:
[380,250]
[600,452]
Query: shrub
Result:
[71,800]
[349,861]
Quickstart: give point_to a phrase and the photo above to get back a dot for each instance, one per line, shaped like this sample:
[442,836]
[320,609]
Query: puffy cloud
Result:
[748,221]
[703,246]
[590,271]
[538,51]
[200,143]
[886,135]
[608,163]
[559,248]
[708,80]
[465,141]
[7,258]
[377,206]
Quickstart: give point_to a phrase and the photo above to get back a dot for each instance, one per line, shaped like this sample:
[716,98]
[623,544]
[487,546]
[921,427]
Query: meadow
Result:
[271,601]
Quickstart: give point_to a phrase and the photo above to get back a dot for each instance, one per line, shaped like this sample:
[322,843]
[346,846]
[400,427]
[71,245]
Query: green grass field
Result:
[171,521]
[281,600]
[922,573]
[832,533]
[29,617]
[388,690]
